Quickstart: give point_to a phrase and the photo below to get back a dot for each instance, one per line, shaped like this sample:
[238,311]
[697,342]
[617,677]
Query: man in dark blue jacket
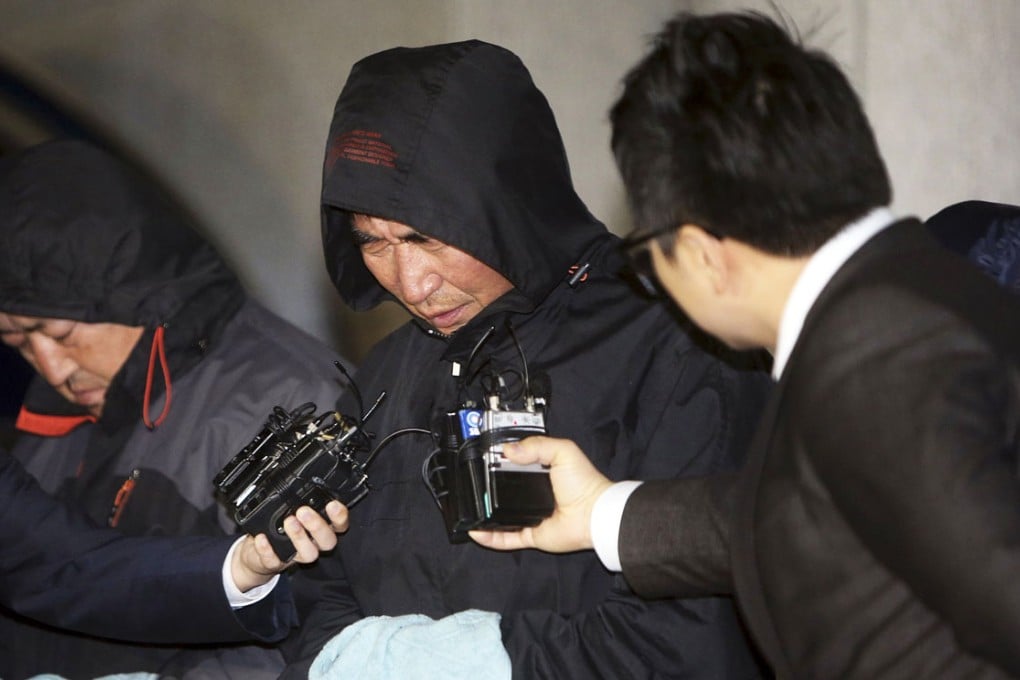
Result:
[986,233]
[59,568]
[154,368]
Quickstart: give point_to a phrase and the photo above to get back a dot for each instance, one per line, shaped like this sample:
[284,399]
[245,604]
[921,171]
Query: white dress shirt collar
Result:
[818,271]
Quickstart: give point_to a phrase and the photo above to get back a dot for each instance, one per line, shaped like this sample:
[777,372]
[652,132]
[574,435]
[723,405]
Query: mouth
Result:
[88,396]
[447,321]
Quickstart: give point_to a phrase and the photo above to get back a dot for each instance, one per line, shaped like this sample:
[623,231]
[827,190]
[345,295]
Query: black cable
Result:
[524,359]
[468,376]
[393,435]
[426,476]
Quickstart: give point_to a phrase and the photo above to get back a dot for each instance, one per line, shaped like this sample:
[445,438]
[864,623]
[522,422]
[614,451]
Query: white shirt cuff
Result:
[606,515]
[235,597]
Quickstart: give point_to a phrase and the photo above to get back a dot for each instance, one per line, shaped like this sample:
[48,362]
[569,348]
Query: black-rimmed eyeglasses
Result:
[635,247]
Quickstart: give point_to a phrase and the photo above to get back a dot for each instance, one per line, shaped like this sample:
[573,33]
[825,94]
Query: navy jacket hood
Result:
[83,237]
[456,141]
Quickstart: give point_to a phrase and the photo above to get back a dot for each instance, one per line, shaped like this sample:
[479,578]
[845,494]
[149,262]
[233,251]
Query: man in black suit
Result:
[875,530]
[58,567]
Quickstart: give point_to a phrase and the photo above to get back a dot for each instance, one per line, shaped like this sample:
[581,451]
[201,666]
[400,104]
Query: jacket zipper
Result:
[122,497]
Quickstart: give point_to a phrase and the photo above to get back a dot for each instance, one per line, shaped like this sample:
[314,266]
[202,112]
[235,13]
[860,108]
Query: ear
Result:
[703,255]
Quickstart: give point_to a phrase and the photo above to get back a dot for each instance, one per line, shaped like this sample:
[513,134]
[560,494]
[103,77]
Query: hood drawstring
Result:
[158,346]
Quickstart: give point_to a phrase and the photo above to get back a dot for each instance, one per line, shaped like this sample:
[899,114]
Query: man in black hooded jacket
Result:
[446,187]
[154,368]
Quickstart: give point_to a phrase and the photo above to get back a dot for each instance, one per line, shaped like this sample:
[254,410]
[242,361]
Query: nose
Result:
[48,358]
[417,274]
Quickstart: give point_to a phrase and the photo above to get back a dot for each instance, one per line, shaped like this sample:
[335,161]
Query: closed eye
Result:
[373,245]
[426,242]
[14,338]
[64,336]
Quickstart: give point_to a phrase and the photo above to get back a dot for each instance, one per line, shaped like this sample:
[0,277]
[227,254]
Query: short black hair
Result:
[731,124]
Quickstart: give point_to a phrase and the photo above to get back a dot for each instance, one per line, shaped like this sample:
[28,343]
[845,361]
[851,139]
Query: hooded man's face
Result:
[77,359]
[435,281]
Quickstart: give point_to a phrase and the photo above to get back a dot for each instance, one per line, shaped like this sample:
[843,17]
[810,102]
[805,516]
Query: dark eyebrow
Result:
[361,238]
[416,237]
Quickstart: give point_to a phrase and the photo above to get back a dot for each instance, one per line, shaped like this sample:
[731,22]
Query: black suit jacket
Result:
[875,530]
[59,568]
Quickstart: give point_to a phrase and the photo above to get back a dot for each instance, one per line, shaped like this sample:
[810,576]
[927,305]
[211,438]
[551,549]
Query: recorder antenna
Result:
[378,400]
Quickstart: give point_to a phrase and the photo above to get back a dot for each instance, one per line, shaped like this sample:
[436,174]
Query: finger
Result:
[306,549]
[317,528]
[503,540]
[337,513]
[267,556]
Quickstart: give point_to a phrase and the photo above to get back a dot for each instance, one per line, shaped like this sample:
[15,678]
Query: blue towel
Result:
[466,645]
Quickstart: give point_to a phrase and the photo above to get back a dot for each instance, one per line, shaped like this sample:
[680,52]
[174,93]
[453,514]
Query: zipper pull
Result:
[121,499]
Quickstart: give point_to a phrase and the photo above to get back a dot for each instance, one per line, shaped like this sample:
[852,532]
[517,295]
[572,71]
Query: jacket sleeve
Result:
[61,569]
[707,416]
[938,467]
[326,606]
[674,537]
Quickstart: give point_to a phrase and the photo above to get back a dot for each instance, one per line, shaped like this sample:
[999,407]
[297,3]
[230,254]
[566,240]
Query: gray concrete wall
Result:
[939,81]
[230,100]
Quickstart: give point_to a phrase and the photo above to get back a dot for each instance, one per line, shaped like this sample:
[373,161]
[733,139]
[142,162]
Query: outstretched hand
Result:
[576,486]
[255,562]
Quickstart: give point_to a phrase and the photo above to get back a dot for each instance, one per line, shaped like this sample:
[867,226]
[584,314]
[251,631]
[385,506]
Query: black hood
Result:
[84,237]
[457,142]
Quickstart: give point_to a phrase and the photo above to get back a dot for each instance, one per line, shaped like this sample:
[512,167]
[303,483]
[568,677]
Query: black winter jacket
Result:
[456,141]
[83,238]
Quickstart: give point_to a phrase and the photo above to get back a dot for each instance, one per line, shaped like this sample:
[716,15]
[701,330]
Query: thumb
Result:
[541,449]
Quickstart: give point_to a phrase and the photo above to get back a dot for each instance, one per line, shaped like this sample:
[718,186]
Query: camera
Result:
[474,485]
[298,458]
